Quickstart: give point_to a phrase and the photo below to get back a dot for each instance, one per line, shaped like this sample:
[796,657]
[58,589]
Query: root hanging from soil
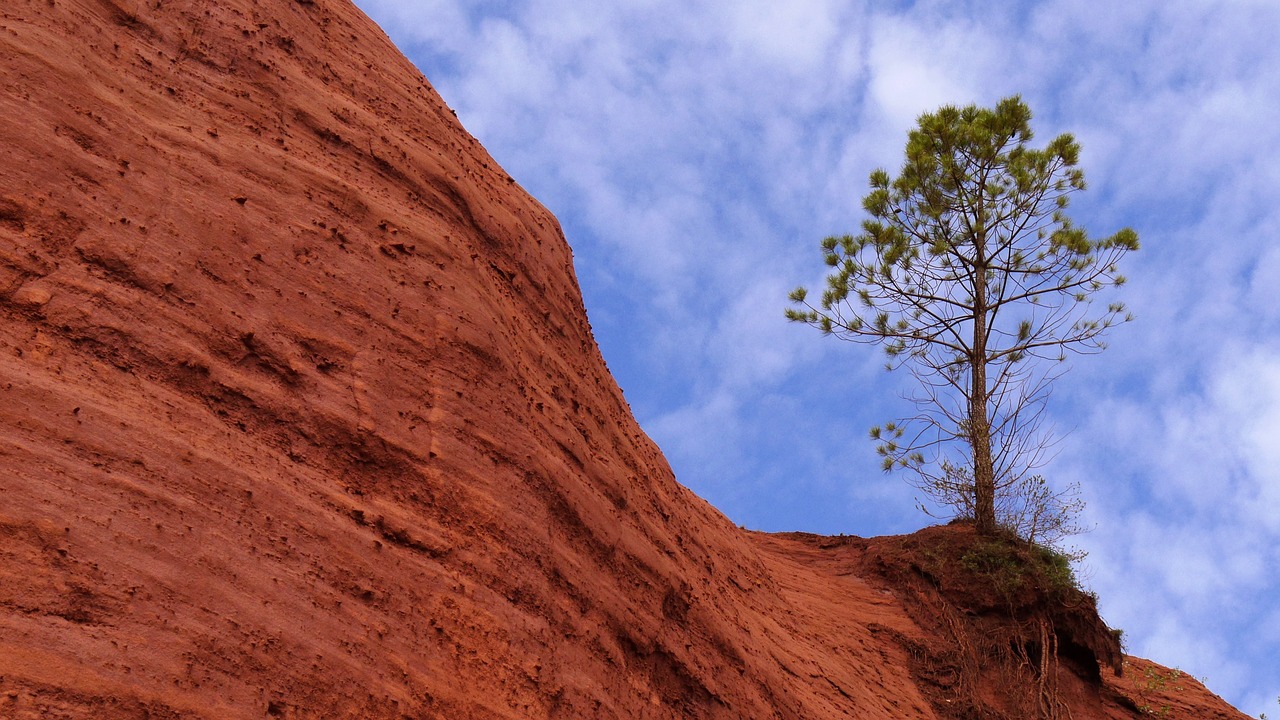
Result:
[1009,639]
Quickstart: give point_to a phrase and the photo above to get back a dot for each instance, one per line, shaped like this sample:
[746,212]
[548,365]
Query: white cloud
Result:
[793,35]
[1264,276]
[1188,541]
[917,68]
[443,24]
[757,348]
[1249,398]
[514,68]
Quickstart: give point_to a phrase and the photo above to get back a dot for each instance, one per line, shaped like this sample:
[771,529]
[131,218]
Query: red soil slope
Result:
[300,416]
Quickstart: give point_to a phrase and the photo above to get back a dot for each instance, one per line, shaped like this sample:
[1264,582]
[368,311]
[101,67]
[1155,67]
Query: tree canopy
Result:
[969,273]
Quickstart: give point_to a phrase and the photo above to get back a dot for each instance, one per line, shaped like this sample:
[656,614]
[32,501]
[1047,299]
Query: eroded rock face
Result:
[301,411]
[301,416]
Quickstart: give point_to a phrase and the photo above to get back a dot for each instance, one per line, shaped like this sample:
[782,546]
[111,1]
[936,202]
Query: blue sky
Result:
[697,153]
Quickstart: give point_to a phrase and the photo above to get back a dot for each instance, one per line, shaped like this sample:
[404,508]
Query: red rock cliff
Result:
[300,415]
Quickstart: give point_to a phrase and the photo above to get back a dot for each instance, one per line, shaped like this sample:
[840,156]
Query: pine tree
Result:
[969,273]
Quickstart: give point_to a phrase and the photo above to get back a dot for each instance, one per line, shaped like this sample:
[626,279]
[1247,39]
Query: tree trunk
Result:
[984,481]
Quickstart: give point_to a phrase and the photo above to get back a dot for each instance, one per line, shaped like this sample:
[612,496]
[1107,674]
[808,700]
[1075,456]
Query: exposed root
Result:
[1014,642]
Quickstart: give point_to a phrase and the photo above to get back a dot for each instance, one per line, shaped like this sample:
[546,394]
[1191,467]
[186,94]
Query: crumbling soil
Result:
[1000,629]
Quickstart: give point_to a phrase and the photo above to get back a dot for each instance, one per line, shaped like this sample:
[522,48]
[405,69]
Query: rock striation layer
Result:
[301,416]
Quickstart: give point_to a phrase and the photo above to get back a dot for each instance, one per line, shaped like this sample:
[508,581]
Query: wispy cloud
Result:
[1187,549]
[696,155]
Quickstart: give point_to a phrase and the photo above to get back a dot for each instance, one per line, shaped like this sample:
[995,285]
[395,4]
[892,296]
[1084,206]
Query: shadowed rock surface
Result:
[301,416]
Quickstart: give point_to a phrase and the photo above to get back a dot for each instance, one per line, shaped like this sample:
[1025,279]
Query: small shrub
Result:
[1118,634]
[1057,568]
[998,561]
[1012,566]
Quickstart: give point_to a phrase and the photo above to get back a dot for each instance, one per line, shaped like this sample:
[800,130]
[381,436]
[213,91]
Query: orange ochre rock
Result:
[301,417]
